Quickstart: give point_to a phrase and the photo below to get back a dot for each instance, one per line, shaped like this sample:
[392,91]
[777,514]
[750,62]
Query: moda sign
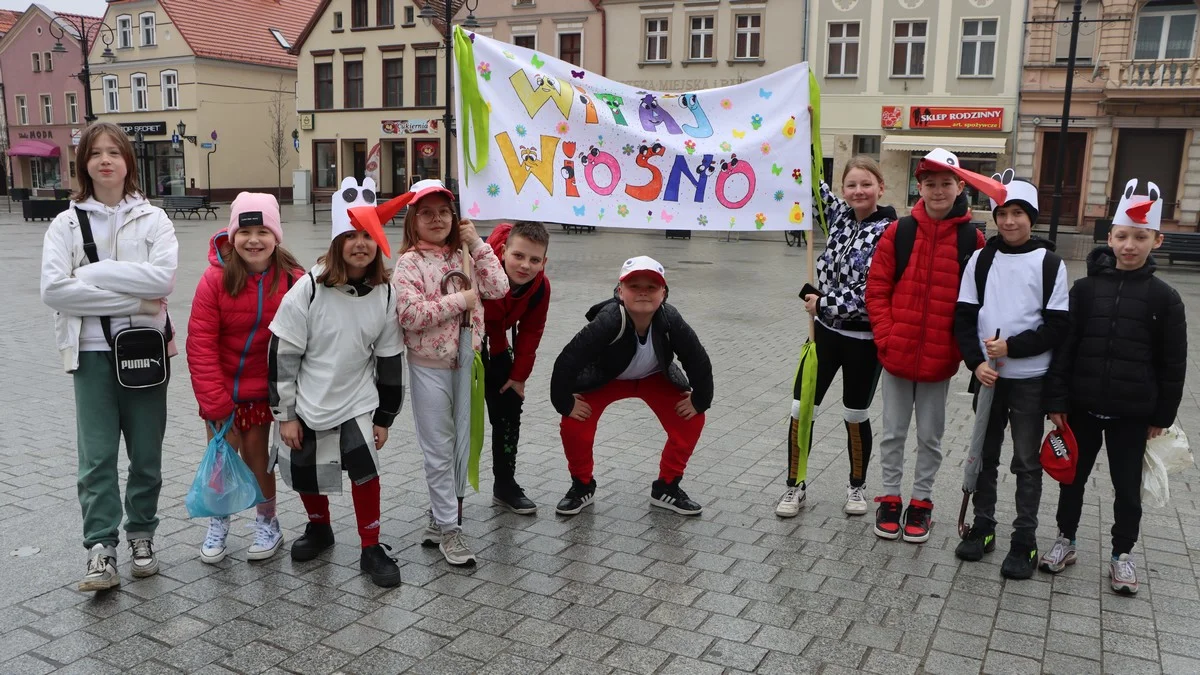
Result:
[921,117]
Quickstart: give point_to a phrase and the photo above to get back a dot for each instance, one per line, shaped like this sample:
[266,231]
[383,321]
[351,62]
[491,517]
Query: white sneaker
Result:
[454,548]
[144,563]
[791,501]
[1124,575]
[101,570]
[267,539]
[856,501]
[432,536]
[213,551]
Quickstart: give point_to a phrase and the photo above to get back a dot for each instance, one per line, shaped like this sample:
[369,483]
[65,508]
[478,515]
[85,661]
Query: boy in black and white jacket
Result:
[1013,310]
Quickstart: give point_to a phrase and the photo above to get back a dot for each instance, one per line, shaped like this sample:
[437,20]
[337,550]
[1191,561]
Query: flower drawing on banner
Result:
[601,214]
[521,130]
[726,104]
[600,140]
[756,121]
[760,220]
[702,221]
[628,149]
[797,176]
[562,128]
[725,146]
[622,210]
[493,190]
[732,222]
[779,195]
[766,148]
[690,146]
[649,216]
[485,71]
[536,204]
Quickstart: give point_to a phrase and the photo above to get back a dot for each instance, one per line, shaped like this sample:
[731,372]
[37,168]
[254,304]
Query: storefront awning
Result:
[32,148]
[986,145]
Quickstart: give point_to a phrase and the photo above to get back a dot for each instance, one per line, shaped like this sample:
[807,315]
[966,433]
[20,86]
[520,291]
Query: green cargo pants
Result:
[104,412]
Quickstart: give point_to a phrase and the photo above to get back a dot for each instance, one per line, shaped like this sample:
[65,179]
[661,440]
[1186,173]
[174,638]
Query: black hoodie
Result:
[1126,353]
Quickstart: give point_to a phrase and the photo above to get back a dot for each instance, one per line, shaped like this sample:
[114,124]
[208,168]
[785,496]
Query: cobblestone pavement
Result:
[619,588]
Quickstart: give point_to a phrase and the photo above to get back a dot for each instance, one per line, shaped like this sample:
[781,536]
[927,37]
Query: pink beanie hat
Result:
[255,208]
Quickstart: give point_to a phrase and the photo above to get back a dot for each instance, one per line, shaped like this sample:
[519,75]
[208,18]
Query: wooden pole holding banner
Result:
[812,280]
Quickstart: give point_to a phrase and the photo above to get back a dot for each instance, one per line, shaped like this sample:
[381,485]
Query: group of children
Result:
[320,353]
[1105,359]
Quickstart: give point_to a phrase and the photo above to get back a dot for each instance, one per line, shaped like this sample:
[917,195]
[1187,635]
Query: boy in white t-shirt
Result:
[1015,285]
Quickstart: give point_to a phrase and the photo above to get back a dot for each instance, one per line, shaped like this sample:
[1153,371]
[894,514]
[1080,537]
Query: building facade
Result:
[224,71]
[1135,107]
[900,77]
[571,30]
[43,100]
[690,45]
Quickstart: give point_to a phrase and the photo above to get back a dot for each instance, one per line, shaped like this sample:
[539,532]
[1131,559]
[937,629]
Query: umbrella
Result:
[972,467]
[469,392]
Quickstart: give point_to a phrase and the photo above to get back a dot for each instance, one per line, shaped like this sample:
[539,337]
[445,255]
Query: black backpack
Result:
[906,237]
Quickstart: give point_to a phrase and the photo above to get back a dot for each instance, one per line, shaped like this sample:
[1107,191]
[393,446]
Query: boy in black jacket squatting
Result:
[1120,373]
[627,350]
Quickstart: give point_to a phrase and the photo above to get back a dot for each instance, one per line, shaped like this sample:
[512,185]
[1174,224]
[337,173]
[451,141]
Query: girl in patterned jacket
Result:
[843,332]
[433,237]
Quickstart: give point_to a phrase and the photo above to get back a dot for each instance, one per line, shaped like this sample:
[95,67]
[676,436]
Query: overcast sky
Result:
[90,7]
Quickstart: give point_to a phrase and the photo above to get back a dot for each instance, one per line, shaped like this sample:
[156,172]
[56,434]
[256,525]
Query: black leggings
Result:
[858,362]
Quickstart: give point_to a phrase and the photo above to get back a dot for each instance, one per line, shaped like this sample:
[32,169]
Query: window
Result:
[72,108]
[37,62]
[570,48]
[1165,30]
[426,80]
[528,41]
[44,172]
[1085,47]
[337,20]
[147,21]
[747,38]
[843,50]
[22,111]
[325,163]
[137,92]
[975,199]
[47,109]
[701,48]
[358,13]
[409,16]
[867,145]
[169,81]
[47,62]
[124,32]
[978,48]
[656,40]
[385,13]
[324,90]
[111,102]
[908,49]
[393,83]
[353,85]
[278,35]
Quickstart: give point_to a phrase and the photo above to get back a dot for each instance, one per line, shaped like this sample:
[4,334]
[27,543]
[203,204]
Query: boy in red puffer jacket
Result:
[227,345]
[522,252]
[912,290]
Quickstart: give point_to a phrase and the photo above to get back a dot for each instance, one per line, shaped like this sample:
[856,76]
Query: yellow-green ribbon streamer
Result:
[474,116]
[818,167]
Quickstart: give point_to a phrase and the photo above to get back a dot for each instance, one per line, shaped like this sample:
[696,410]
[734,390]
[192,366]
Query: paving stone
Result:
[735,655]
[355,639]
[315,659]
[71,647]
[26,664]
[682,642]
[254,657]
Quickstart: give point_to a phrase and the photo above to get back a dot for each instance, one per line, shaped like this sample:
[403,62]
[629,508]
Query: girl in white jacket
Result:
[129,283]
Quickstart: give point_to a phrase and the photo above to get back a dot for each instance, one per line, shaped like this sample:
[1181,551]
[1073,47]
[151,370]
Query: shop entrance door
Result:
[399,169]
[1154,155]
[426,164]
[359,160]
[1072,178]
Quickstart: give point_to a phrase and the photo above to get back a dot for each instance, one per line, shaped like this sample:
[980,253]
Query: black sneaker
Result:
[977,542]
[1020,562]
[382,568]
[512,497]
[887,516]
[317,537]
[670,496]
[580,495]
[918,519]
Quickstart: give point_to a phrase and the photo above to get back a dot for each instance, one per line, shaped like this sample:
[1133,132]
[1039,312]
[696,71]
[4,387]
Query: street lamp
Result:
[428,14]
[88,31]
[181,130]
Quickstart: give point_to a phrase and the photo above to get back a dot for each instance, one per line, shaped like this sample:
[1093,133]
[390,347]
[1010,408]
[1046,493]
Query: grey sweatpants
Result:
[443,431]
[900,398]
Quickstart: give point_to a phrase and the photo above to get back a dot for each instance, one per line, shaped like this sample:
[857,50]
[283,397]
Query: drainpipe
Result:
[804,45]
[1020,85]
[603,40]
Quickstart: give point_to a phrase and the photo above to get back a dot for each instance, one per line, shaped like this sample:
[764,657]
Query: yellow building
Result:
[224,70]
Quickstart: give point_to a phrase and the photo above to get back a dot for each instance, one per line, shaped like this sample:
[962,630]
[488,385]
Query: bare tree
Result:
[278,148]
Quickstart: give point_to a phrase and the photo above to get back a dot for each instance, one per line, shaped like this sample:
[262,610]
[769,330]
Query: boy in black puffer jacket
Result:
[1120,373]
[627,350]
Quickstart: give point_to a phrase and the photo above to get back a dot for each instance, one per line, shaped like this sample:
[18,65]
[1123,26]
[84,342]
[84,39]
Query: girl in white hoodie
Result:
[135,272]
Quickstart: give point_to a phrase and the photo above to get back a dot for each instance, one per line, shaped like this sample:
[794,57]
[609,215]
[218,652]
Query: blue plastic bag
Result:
[224,485]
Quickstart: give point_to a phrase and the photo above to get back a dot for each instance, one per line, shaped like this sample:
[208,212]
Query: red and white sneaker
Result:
[918,518]
[887,516]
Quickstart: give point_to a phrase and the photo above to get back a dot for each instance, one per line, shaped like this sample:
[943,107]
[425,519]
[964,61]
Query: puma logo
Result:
[138,364]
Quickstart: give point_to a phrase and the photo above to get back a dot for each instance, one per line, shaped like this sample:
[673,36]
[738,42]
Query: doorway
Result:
[425,160]
[399,172]
[1154,155]
[359,159]
[1072,177]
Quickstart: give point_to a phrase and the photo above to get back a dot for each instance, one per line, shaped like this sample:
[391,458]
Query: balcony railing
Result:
[1145,74]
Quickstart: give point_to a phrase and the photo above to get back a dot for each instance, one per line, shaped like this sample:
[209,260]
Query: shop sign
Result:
[956,118]
[37,134]
[306,122]
[426,149]
[409,126]
[147,128]
[891,117]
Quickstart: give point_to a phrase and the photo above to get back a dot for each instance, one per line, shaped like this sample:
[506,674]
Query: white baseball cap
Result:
[643,263]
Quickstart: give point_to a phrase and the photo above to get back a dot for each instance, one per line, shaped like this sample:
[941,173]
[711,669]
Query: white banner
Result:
[541,139]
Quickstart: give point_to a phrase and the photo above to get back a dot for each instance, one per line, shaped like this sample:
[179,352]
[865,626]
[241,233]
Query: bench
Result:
[679,234]
[573,228]
[187,205]
[1179,246]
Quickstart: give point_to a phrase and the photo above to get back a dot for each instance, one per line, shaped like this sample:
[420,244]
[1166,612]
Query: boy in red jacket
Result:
[522,251]
[912,289]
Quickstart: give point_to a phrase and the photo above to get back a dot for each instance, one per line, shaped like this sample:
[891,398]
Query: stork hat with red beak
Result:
[643,264]
[1019,192]
[368,218]
[353,208]
[940,159]
[1139,210]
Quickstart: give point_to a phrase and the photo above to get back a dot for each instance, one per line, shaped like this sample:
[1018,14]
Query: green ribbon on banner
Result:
[818,167]
[473,110]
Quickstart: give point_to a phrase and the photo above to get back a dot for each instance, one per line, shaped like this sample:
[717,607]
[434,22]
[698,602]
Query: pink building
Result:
[43,102]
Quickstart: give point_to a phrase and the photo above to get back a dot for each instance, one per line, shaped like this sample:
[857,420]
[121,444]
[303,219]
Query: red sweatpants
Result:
[366,509]
[578,438]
